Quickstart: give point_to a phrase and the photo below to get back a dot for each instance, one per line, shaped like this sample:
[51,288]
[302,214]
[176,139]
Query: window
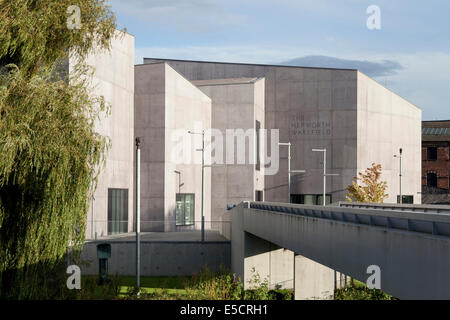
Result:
[431,179]
[259,195]
[432,153]
[310,199]
[185,209]
[258,130]
[117,211]
[406,199]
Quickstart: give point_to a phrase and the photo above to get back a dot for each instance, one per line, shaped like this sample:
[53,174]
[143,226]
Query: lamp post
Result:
[138,214]
[203,176]
[400,175]
[288,144]
[325,174]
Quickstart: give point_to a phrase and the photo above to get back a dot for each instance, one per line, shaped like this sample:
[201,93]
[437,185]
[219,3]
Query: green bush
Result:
[359,291]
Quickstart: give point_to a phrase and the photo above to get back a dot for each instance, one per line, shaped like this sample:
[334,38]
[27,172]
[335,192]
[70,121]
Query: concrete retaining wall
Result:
[160,258]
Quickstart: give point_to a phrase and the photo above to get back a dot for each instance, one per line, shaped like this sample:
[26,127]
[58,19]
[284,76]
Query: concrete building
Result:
[237,104]
[166,104]
[357,120]
[435,162]
[111,210]
[244,111]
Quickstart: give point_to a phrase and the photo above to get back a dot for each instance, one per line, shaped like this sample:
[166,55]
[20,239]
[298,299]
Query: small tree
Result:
[370,189]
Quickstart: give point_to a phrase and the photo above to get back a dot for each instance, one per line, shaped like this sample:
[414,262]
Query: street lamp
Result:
[138,214]
[203,176]
[325,174]
[288,144]
[400,157]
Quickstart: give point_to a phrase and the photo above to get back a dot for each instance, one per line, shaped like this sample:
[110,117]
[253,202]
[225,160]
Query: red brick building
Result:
[436,162]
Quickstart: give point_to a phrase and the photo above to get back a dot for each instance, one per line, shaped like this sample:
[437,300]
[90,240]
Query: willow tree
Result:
[50,152]
[368,187]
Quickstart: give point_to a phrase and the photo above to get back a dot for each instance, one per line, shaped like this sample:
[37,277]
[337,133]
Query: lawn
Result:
[171,286]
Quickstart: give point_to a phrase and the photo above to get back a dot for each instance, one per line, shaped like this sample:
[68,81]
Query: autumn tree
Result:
[50,152]
[367,187]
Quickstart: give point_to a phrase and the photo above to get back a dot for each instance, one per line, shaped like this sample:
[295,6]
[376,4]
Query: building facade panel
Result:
[113,78]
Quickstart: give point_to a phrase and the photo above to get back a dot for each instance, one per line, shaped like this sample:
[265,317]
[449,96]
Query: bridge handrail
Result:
[424,208]
[430,223]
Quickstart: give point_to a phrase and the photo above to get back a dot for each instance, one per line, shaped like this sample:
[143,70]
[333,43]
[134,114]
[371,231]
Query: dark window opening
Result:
[117,211]
[432,153]
[310,199]
[259,195]
[432,179]
[185,209]
[406,199]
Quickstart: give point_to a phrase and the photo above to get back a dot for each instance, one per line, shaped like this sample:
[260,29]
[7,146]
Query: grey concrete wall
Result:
[113,79]
[187,108]
[313,281]
[150,115]
[386,123]
[267,261]
[166,103]
[235,105]
[159,258]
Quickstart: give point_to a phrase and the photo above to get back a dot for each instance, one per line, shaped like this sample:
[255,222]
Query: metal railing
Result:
[159,230]
[412,221]
[423,208]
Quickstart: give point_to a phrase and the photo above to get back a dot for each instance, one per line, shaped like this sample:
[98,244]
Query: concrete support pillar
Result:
[313,280]
[269,262]
[252,256]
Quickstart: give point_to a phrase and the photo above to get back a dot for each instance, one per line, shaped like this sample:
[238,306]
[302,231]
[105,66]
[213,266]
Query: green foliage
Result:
[34,33]
[359,291]
[371,189]
[210,286]
[51,154]
[91,290]
[260,288]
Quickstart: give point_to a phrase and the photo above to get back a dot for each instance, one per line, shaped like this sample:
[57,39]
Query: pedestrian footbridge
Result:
[305,247]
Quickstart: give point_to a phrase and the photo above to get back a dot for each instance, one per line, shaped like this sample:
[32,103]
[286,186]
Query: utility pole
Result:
[400,175]
[288,144]
[138,215]
[325,174]
[203,177]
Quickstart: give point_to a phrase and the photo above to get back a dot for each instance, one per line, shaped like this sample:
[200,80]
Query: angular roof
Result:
[226,81]
[247,64]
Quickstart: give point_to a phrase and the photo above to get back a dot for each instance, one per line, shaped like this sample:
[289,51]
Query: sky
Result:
[408,52]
